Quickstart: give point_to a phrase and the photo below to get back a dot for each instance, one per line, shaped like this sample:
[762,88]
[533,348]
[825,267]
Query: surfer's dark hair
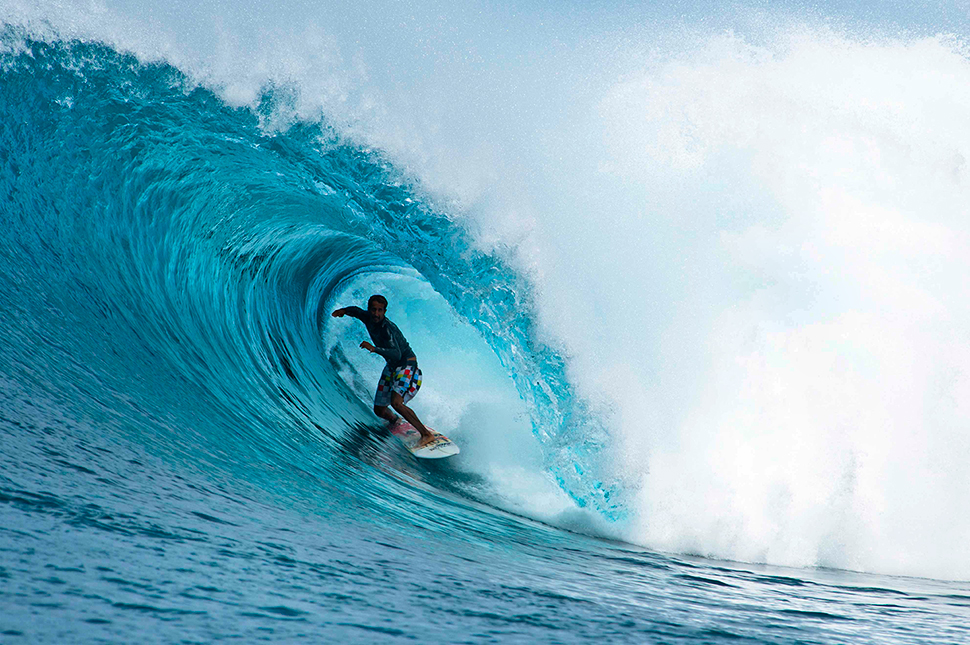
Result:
[377,298]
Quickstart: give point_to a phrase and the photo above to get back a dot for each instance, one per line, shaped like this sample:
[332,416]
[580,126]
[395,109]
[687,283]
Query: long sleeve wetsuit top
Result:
[388,340]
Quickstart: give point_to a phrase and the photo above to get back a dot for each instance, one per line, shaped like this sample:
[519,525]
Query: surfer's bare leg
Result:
[385,413]
[397,402]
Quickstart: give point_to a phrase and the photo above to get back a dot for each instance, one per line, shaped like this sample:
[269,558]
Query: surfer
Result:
[401,377]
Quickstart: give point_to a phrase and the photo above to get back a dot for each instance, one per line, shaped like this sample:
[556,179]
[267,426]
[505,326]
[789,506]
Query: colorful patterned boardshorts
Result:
[405,380]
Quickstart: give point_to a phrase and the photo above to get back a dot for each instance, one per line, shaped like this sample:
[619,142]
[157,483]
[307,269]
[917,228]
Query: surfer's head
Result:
[376,307]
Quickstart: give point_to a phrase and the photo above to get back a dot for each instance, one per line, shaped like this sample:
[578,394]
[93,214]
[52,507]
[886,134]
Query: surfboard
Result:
[441,447]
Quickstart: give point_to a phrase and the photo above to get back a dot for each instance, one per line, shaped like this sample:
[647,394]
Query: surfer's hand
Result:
[339,313]
[367,346]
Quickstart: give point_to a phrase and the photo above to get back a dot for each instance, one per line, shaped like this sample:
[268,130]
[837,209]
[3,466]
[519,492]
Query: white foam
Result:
[826,413]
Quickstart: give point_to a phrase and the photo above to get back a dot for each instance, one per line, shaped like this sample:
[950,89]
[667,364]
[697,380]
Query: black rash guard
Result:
[388,340]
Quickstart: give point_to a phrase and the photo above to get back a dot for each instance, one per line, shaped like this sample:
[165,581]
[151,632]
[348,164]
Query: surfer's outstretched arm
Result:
[353,312]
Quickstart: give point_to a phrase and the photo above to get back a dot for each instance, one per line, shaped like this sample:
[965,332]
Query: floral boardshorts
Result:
[405,380]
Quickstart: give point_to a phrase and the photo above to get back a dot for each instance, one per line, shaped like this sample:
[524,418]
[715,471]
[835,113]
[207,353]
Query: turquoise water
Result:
[188,452]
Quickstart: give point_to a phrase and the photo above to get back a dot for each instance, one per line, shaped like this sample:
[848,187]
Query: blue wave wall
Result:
[170,261]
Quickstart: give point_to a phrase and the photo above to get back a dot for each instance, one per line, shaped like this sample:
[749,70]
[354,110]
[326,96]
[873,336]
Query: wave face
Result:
[705,301]
[198,255]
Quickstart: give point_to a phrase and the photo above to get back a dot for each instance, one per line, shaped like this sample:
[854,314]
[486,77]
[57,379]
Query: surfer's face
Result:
[376,311]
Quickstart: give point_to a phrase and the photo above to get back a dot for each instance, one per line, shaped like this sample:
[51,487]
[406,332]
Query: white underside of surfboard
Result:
[441,447]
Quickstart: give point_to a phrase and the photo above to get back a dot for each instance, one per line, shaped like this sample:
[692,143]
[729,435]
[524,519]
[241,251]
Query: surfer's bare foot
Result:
[425,440]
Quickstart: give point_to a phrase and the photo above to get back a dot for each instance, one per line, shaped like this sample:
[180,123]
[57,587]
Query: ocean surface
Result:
[687,286]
